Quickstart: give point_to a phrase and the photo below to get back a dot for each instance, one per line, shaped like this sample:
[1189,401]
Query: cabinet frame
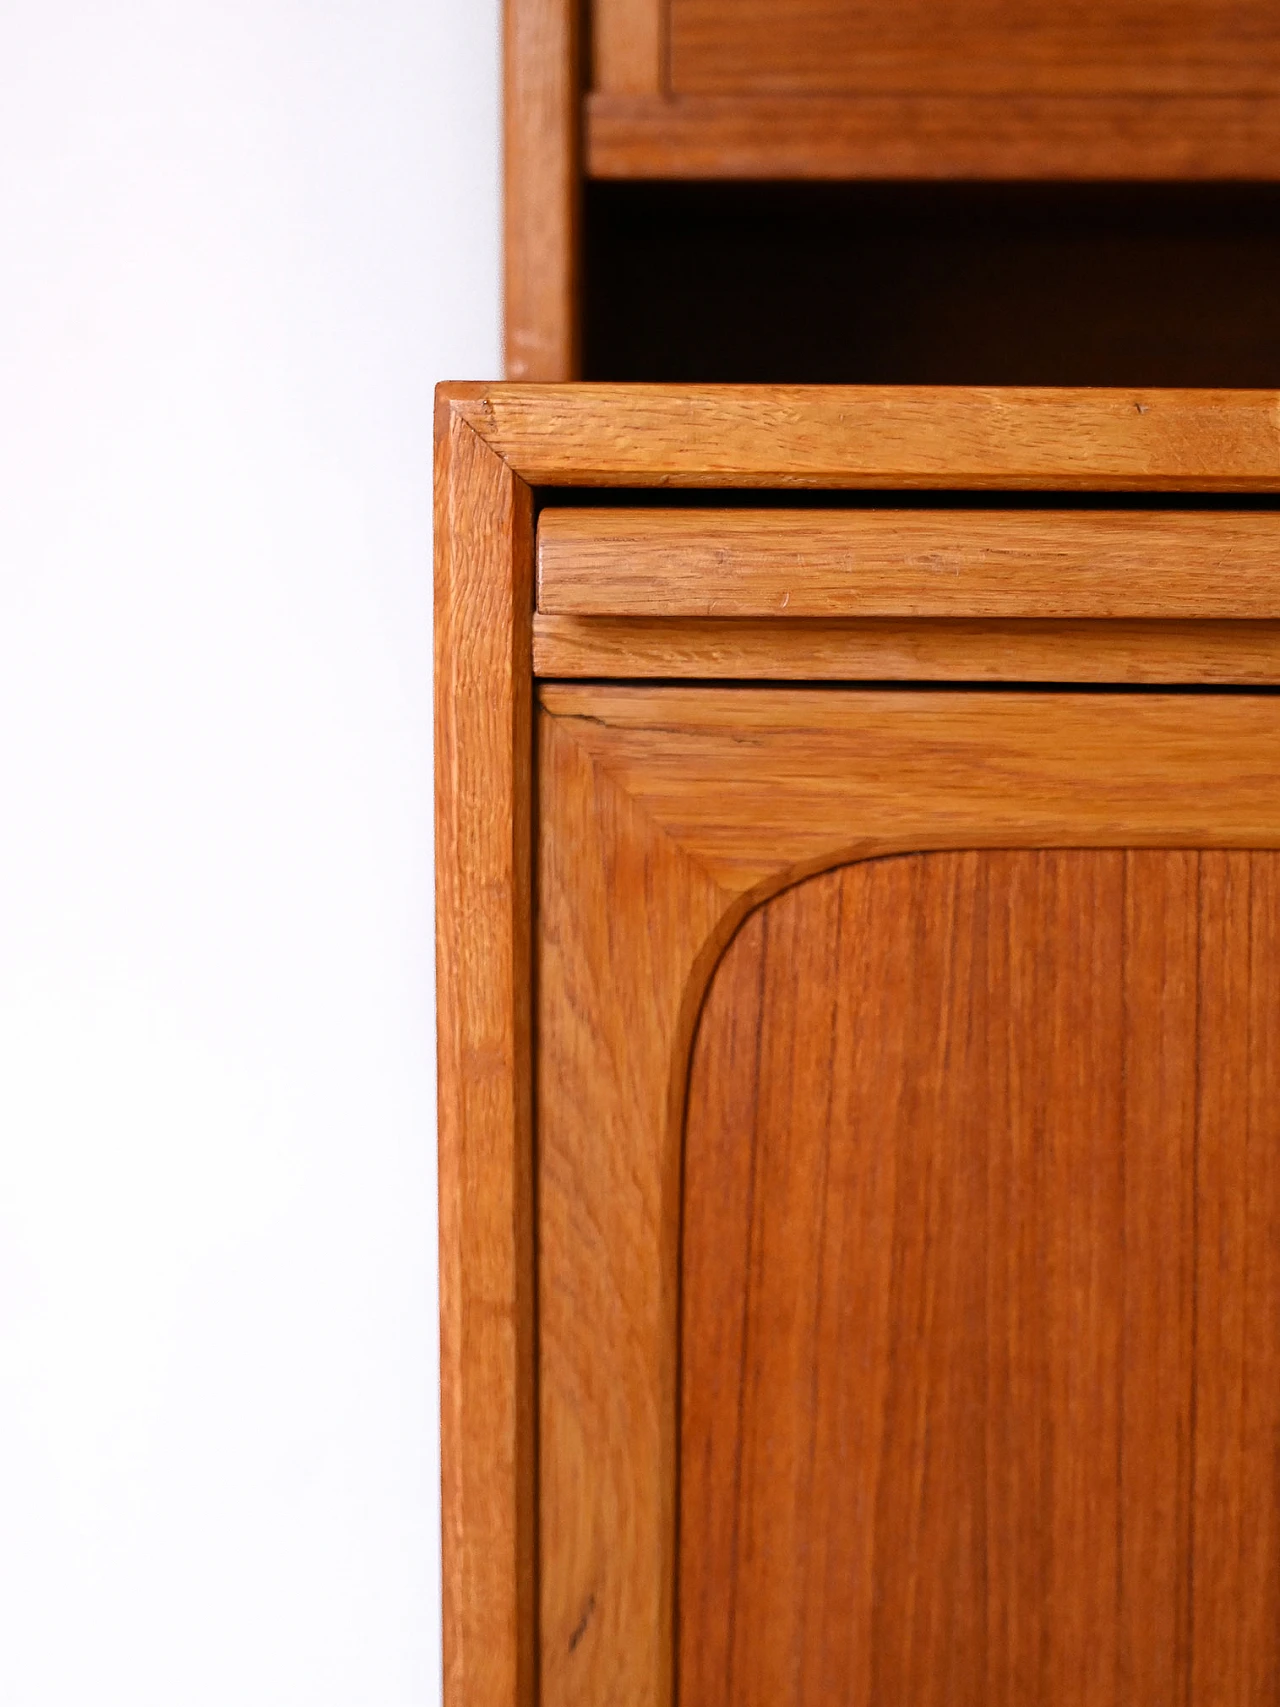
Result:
[495,444]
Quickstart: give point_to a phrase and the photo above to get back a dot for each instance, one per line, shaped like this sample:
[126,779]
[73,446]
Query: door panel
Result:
[665,816]
[976,1142]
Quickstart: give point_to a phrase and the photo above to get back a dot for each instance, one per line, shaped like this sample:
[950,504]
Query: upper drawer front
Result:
[972,47]
[1047,564]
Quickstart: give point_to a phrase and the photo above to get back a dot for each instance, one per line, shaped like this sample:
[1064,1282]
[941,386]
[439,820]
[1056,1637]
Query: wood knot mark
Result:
[580,1629]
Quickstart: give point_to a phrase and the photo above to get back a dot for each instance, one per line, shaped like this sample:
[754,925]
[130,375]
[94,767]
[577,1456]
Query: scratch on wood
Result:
[581,1627]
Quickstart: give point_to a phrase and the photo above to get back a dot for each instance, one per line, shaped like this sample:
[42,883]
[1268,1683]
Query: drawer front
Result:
[874,592]
[878,561]
[1018,47]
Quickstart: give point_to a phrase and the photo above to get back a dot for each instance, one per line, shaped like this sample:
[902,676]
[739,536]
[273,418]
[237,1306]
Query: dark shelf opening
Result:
[941,284]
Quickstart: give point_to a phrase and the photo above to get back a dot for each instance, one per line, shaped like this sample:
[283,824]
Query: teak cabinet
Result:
[858,855]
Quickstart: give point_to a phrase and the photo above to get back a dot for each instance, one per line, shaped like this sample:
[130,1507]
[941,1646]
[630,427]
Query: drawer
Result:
[858,923]
[955,47]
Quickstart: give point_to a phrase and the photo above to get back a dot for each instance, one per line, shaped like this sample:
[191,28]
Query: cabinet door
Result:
[908,1196]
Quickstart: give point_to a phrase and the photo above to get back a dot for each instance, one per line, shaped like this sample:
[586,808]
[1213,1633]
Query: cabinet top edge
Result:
[977,437]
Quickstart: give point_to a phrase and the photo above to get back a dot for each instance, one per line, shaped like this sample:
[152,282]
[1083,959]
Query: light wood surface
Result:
[628,46]
[1047,563]
[951,1215]
[809,649]
[916,770]
[483,731]
[1006,137]
[882,437]
[616,1008]
[990,47]
[543,186]
[664,815]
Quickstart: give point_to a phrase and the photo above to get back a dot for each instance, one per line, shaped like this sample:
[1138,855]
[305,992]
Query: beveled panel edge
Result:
[803,649]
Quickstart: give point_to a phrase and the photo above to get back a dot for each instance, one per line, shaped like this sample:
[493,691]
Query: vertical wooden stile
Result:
[483,731]
[542,125]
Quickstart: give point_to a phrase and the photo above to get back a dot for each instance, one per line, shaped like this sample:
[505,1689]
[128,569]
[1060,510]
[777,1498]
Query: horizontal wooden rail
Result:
[1096,137]
[809,649]
[880,437]
[1045,564]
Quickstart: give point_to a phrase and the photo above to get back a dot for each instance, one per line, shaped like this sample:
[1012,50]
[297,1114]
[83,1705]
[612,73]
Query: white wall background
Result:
[239,241]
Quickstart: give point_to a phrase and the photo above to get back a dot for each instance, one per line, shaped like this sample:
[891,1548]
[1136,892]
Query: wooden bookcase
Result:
[858,851]
[931,191]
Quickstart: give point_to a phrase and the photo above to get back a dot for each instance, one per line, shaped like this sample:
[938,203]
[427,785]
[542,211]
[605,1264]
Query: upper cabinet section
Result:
[934,88]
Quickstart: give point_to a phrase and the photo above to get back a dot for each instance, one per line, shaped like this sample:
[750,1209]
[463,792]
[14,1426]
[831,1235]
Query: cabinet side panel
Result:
[483,724]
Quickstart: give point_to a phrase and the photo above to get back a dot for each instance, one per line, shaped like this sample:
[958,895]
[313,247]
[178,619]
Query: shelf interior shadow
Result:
[988,284]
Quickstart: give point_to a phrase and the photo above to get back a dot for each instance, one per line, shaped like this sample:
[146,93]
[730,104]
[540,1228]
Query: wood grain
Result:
[1236,1589]
[943,1258]
[990,47]
[663,815]
[483,729]
[543,170]
[882,437]
[1047,563]
[754,781]
[807,649]
[1007,137]
[614,1032]
[628,46]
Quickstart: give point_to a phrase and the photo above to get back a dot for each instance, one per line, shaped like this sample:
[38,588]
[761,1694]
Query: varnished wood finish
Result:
[483,728]
[629,46]
[543,172]
[882,437]
[756,781]
[809,649]
[952,1220]
[989,47]
[907,135]
[616,1008]
[1236,1598]
[1059,564]
[663,815]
